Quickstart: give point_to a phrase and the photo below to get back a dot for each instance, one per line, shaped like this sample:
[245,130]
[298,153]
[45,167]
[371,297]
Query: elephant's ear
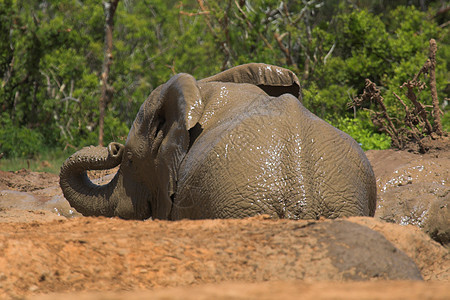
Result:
[274,80]
[182,97]
[181,108]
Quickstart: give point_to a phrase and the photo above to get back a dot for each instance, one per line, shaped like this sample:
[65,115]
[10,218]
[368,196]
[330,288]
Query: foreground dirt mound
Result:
[376,290]
[432,259]
[99,254]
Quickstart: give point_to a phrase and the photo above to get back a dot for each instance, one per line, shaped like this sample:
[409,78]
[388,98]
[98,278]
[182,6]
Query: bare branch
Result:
[328,54]
[436,111]
[109,9]
[372,93]
[70,98]
[172,67]
[191,14]
[205,11]
[411,120]
[445,24]
[249,24]
[420,131]
[224,44]
[285,50]
[8,74]
[420,108]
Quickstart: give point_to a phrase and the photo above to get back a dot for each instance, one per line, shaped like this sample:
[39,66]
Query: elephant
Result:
[233,145]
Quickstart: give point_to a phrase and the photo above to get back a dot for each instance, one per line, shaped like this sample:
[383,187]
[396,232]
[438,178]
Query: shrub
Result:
[19,141]
[364,133]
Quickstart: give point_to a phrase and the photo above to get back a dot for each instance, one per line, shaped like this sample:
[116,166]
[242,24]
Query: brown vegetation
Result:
[416,127]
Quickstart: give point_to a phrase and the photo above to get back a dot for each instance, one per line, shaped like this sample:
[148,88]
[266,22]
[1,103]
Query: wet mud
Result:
[414,190]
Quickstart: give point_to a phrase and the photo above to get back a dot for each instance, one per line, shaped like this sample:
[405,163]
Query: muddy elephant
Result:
[237,144]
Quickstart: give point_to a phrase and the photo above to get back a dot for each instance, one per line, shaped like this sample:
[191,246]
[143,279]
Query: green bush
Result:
[19,141]
[364,133]
[446,121]
[114,131]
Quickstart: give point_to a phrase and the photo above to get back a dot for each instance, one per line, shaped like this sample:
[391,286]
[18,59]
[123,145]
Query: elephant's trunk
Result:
[86,197]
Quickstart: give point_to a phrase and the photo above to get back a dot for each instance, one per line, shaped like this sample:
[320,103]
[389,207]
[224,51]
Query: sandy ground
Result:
[47,251]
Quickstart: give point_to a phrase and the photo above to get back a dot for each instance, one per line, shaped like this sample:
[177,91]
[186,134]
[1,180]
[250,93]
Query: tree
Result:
[109,8]
[52,54]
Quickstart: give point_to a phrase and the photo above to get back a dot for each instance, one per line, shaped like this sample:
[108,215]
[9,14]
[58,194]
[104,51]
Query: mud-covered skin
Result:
[270,155]
[109,200]
[233,145]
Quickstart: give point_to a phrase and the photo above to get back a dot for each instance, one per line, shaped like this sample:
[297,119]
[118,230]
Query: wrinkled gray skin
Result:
[233,145]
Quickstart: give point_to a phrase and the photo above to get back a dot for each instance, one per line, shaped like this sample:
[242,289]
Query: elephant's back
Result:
[267,159]
[343,178]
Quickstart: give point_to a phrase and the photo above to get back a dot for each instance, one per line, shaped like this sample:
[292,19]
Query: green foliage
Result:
[327,102]
[446,121]
[51,55]
[19,141]
[48,160]
[364,133]
[412,31]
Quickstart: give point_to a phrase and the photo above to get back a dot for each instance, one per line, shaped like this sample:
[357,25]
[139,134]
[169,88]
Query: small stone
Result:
[33,288]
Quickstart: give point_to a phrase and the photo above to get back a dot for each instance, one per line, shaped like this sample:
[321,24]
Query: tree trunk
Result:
[436,111]
[109,9]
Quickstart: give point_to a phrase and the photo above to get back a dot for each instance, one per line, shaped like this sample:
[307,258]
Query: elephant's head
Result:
[162,133]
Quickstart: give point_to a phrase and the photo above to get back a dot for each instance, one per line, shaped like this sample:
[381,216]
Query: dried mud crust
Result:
[99,254]
[305,290]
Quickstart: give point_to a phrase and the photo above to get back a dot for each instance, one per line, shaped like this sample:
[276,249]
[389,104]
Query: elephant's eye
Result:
[130,157]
